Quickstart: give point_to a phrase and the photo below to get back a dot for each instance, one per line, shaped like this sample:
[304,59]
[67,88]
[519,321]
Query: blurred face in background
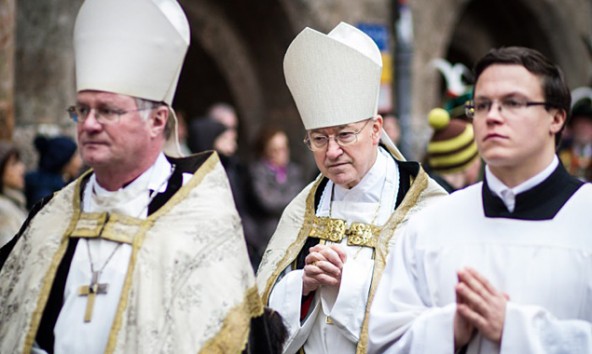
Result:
[14,173]
[582,130]
[277,151]
[226,143]
[226,116]
[72,169]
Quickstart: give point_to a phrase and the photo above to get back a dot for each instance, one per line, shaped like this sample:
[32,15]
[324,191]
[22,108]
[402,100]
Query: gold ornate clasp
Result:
[328,229]
[334,230]
[364,235]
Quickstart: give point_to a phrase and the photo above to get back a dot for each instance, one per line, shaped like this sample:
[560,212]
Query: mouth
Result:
[336,165]
[494,136]
[92,143]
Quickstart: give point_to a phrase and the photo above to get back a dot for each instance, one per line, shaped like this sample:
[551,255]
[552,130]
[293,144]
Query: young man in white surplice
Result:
[503,266]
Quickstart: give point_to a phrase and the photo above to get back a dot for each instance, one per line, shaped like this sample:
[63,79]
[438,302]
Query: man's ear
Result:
[377,128]
[558,121]
[159,119]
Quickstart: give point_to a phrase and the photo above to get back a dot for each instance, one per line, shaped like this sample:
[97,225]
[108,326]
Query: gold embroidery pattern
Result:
[363,235]
[236,316]
[207,167]
[234,334]
[108,226]
[328,229]
[334,230]
[89,225]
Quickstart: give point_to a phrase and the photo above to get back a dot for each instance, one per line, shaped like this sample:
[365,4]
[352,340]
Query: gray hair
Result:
[145,106]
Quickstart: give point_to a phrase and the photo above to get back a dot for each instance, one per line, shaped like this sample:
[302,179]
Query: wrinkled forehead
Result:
[328,130]
[102,97]
[337,128]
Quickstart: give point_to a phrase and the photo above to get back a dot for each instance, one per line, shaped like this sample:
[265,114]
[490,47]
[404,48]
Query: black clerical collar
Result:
[542,202]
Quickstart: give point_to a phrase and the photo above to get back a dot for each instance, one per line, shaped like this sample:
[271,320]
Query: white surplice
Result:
[545,266]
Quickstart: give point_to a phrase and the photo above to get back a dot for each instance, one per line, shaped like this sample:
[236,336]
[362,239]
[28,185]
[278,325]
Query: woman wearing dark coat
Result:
[275,182]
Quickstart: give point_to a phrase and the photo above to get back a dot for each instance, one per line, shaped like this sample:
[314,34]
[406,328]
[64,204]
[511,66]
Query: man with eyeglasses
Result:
[322,265]
[145,253]
[504,266]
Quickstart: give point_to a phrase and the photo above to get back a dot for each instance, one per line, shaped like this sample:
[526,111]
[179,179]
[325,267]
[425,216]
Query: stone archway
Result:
[236,56]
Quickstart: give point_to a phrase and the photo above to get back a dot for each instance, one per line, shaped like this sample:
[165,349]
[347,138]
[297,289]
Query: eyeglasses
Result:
[103,115]
[317,142]
[510,105]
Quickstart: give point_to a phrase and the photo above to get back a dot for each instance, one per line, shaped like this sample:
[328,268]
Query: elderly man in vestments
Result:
[323,263]
[145,253]
[504,266]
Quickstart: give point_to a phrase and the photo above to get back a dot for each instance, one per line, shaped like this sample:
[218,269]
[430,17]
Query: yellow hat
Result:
[452,148]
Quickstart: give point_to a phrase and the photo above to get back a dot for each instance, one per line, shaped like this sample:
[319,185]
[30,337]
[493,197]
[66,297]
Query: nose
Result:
[91,122]
[333,149]
[495,112]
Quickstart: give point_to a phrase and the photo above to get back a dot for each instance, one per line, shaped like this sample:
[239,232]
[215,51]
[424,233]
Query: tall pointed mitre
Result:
[335,78]
[131,47]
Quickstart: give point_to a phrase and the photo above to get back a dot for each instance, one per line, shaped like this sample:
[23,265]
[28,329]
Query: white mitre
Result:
[131,47]
[335,78]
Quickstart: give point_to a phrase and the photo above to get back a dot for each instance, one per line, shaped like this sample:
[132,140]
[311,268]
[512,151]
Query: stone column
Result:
[7,26]
[44,82]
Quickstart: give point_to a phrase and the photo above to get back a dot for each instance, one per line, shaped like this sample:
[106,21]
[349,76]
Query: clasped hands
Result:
[323,266]
[479,307]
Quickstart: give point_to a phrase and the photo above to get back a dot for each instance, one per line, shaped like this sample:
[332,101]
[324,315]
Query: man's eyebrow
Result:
[509,94]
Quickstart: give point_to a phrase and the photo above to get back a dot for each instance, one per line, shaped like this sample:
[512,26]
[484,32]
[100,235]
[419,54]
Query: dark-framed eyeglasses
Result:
[511,105]
[316,141]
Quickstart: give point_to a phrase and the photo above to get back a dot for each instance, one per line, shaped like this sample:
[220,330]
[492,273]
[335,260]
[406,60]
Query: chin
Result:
[344,182]
[495,155]
[93,160]
[499,161]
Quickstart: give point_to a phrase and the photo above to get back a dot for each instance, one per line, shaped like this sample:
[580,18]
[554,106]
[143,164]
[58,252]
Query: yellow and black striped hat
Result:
[452,147]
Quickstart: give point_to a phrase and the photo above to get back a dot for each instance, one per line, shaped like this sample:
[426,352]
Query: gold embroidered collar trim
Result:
[108,226]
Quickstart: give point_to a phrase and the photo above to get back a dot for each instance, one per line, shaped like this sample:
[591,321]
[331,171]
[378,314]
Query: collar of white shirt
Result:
[132,199]
[508,195]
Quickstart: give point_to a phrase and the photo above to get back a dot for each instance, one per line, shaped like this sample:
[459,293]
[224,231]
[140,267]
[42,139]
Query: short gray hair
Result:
[145,106]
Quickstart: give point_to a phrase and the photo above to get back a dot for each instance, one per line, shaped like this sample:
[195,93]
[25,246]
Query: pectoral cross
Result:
[91,291]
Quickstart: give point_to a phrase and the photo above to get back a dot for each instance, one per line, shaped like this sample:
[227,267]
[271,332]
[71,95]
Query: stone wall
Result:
[44,70]
[7,25]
